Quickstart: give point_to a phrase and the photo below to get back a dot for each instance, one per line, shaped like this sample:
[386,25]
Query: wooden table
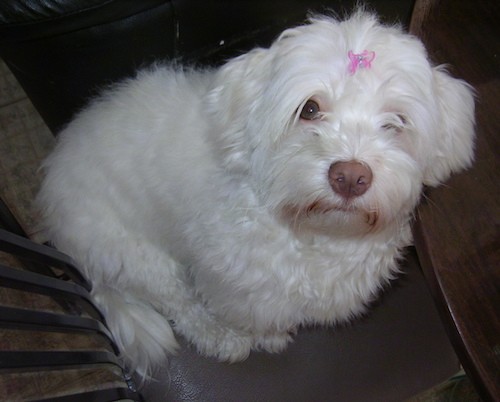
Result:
[457,227]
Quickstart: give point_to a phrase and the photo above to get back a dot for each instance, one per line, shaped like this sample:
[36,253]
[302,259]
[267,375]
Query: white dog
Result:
[236,204]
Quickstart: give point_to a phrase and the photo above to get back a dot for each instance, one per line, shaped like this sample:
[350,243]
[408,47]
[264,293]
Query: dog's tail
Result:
[143,335]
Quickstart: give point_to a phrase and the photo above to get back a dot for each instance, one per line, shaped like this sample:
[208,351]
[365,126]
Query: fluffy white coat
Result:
[200,200]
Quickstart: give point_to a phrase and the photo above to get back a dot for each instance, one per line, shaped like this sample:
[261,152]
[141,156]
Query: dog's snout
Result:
[350,179]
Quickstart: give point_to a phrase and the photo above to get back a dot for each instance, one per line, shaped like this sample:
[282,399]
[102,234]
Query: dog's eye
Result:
[391,126]
[397,125]
[310,111]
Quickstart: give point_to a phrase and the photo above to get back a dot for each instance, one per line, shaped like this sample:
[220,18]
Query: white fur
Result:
[201,199]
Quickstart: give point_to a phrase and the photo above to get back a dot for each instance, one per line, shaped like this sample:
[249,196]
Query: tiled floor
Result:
[25,141]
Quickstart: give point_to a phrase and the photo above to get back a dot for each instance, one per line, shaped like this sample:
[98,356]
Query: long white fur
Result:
[198,200]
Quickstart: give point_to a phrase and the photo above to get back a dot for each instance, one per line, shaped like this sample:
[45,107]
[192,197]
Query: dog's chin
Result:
[332,219]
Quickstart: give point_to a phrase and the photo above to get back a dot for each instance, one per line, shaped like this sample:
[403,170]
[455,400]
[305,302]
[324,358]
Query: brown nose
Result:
[350,179]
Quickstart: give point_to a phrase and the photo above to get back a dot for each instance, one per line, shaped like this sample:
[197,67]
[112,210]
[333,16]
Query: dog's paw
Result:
[213,338]
[274,343]
[226,345]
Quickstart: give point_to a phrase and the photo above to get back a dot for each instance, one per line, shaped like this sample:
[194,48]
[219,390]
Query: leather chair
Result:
[63,51]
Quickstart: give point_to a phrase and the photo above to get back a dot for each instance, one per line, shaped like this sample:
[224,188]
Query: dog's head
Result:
[339,123]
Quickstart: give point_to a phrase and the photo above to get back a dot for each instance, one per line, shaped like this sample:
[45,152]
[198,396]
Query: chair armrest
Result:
[456,231]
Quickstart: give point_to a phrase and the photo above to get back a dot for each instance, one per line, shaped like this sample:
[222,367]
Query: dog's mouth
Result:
[294,213]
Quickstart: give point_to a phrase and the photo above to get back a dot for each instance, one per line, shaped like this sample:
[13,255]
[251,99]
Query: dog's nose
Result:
[350,179]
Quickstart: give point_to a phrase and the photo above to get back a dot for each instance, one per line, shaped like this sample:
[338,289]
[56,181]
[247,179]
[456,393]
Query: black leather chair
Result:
[63,51]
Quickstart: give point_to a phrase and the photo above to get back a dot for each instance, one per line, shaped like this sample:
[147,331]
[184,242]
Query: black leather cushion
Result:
[35,19]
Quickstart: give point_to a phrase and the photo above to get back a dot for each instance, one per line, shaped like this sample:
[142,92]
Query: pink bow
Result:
[360,60]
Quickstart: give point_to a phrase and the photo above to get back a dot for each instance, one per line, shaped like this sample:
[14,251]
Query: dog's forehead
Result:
[349,49]
[319,59]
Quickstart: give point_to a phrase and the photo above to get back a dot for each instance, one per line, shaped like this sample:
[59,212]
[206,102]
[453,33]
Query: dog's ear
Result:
[239,86]
[453,148]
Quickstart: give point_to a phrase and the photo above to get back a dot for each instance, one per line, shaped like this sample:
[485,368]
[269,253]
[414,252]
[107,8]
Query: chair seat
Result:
[397,350]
